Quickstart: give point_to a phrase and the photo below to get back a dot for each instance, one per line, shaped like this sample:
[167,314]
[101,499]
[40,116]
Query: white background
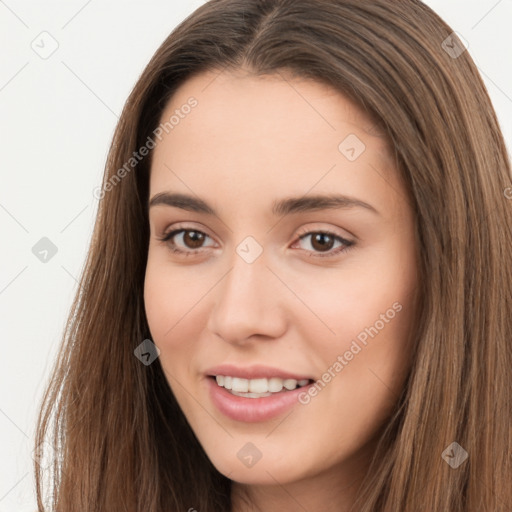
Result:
[57,118]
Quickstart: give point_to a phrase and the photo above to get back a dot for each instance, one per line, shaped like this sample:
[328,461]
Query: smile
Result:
[254,406]
[258,388]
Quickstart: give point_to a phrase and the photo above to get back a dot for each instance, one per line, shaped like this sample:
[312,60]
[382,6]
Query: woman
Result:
[298,292]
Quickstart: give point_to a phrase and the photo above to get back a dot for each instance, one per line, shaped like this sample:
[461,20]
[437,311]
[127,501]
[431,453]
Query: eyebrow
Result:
[286,206]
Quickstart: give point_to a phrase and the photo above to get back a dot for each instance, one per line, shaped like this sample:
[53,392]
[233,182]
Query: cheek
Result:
[158,303]
[165,303]
[365,371]
[175,302]
[376,291]
[369,312]
[170,296]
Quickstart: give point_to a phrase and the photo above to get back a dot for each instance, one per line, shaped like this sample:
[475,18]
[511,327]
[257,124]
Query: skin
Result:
[250,141]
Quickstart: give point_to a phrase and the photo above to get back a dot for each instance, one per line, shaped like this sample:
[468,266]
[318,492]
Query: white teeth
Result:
[258,386]
[275,385]
[290,384]
[255,388]
[240,385]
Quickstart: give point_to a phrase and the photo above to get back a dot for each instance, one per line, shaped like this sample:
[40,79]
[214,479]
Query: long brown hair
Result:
[120,441]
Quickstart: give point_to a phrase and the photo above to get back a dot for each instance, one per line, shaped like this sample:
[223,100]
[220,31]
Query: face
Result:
[288,259]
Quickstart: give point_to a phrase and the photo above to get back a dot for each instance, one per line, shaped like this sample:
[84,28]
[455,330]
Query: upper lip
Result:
[254,372]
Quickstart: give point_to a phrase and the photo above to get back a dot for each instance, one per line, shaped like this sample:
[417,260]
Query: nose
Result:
[249,303]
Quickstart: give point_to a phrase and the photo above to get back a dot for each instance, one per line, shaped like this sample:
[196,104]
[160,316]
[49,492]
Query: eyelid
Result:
[301,232]
[319,229]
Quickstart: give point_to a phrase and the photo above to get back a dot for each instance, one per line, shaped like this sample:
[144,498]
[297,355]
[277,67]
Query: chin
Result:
[262,471]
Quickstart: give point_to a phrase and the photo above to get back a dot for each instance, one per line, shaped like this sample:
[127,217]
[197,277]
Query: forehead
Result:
[241,92]
[269,131]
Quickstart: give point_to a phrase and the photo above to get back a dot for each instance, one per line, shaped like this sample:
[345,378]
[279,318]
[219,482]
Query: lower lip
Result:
[252,410]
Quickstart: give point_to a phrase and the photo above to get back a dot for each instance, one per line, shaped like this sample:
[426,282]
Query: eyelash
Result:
[347,244]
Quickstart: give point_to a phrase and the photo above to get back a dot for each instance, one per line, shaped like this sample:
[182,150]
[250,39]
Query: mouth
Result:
[254,393]
[258,387]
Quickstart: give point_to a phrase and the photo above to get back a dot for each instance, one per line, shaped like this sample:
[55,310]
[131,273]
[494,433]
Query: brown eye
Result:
[193,239]
[322,241]
[185,241]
